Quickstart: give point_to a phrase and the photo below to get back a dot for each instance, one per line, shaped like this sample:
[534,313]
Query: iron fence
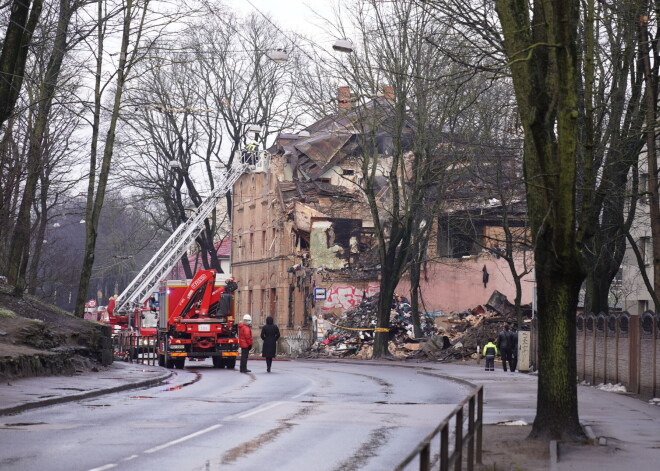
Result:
[466,434]
[135,348]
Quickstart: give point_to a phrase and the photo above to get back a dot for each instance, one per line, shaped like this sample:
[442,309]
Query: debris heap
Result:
[447,337]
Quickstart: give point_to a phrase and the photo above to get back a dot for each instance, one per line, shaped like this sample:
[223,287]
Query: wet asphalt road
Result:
[304,415]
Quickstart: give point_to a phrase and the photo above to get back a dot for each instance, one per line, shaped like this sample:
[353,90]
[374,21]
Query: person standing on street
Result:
[514,343]
[504,343]
[269,334]
[245,341]
[490,351]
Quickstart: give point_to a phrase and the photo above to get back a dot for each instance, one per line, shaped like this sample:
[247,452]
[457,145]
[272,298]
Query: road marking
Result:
[182,439]
[302,393]
[103,468]
[259,409]
[132,457]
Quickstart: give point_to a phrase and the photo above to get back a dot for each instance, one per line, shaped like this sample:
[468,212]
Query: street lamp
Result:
[278,56]
[343,45]
[174,164]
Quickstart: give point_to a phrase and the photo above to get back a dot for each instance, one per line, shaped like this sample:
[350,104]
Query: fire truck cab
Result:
[196,321]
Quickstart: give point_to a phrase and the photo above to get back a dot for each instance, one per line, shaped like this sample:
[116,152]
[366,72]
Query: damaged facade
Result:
[300,223]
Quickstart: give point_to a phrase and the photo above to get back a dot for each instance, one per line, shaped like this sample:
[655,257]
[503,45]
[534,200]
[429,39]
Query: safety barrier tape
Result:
[375,329]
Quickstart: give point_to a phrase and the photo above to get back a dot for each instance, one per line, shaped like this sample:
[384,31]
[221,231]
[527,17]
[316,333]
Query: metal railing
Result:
[135,348]
[465,435]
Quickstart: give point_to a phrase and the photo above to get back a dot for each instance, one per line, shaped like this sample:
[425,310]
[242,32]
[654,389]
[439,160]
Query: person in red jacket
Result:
[245,341]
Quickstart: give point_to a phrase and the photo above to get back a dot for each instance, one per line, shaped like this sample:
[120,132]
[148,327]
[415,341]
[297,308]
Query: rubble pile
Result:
[352,334]
[447,337]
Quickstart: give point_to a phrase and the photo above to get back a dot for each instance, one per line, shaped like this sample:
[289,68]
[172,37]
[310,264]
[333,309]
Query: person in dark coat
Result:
[505,346]
[269,334]
[514,342]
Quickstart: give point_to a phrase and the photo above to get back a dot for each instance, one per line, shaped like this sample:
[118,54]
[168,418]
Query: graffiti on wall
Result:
[345,297]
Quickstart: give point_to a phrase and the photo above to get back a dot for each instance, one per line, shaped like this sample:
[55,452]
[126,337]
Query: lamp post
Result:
[343,45]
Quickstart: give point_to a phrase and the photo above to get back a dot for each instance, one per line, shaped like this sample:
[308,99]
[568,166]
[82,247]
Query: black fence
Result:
[135,348]
[466,436]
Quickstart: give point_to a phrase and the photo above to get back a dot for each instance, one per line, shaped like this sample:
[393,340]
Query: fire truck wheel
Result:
[161,360]
[179,363]
[230,363]
[218,362]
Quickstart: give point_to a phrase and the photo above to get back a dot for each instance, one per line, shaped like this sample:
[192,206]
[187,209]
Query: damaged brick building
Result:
[302,232]
[300,222]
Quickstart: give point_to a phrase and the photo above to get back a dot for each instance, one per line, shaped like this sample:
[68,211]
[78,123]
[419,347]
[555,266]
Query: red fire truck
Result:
[196,321]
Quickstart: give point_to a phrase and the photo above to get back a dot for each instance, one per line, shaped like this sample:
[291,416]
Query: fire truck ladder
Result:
[139,290]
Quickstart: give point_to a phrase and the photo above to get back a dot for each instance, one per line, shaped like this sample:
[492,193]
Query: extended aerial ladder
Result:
[141,287]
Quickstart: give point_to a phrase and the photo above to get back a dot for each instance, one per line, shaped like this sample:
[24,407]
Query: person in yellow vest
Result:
[490,352]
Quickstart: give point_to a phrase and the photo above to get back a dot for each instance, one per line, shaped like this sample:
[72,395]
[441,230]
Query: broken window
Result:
[292,290]
[263,243]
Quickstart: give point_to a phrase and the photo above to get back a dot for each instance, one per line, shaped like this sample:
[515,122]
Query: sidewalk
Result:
[17,395]
[626,429]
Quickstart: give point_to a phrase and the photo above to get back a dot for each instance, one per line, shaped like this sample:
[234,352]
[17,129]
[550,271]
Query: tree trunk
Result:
[15,51]
[382,337]
[654,199]
[557,407]
[544,71]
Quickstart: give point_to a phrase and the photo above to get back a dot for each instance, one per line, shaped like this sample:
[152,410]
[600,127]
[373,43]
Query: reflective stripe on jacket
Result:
[490,349]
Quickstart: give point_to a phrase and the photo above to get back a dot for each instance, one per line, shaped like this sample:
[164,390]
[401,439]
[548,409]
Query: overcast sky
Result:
[293,15]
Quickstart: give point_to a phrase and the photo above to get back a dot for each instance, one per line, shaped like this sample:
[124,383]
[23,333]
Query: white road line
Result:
[260,409]
[132,457]
[103,468]
[182,439]
[302,393]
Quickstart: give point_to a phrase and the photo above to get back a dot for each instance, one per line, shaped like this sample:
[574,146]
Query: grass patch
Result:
[6,313]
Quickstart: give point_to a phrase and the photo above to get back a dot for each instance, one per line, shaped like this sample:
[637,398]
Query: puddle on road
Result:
[70,389]
[142,397]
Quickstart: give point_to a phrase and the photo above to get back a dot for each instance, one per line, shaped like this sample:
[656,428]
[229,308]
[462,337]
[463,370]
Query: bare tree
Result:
[191,107]
[20,243]
[427,89]
[140,26]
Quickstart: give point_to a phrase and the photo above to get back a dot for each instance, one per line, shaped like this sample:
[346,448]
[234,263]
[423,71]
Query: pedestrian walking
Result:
[269,334]
[505,345]
[490,352]
[245,341]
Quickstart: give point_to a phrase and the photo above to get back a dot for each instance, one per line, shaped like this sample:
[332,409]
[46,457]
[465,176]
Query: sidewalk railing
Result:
[135,348]
[466,434]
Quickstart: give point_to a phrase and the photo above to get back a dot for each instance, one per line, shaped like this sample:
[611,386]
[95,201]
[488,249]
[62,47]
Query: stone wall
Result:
[620,349]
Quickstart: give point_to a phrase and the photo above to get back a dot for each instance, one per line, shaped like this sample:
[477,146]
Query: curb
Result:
[85,395]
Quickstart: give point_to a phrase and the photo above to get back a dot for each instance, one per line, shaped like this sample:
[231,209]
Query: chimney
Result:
[388,92]
[344,98]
